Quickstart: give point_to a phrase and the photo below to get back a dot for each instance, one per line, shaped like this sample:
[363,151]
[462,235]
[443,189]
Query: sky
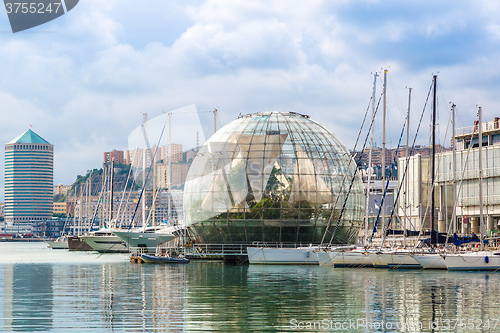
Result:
[84,80]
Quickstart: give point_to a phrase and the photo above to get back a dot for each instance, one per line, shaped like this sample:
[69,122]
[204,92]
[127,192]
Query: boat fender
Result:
[307,254]
[486,259]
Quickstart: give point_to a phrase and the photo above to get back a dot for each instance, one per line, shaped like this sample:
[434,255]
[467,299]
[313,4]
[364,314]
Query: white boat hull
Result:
[377,260]
[280,256]
[57,245]
[106,244]
[145,240]
[474,261]
[350,259]
[430,260]
[400,260]
[324,258]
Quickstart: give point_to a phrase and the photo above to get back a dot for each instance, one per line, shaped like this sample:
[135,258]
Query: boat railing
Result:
[217,249]
[137,251]
[283,245]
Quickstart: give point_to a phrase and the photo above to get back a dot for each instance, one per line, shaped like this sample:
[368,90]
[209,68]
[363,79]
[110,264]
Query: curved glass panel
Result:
[273,177]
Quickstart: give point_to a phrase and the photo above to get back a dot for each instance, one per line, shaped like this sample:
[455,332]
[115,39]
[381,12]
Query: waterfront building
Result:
[467,184]
[60,208]
[114,155]
[175,151]
[273,177]
[168,208]
[190,155]
[177,213]
[29,179]
[134,157]
[52,228]
[377,189]
[178,175]
[127,158]
[391,155]
[61,189]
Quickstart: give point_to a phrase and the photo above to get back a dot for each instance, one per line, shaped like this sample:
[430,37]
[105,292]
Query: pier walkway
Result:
[226,252]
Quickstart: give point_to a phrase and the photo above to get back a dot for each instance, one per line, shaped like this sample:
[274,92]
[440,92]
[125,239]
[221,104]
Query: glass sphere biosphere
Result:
[275,177]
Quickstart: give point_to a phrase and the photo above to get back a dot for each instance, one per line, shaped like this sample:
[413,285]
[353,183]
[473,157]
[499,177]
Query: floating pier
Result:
[136,259]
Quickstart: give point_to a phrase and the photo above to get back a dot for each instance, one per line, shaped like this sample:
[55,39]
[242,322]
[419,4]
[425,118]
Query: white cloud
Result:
[88,82]
[92,20]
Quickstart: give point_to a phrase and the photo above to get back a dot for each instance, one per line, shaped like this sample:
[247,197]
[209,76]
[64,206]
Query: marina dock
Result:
[225,252]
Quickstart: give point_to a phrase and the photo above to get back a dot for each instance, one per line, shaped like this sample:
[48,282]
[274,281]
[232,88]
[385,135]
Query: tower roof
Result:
[29,137]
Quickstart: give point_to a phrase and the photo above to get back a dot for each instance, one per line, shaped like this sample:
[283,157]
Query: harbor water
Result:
[60,291]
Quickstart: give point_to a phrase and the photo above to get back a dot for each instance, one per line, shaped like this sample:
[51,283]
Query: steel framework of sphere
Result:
[273,177]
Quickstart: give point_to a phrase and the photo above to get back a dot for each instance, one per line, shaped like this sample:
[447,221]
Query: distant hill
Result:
[93,180]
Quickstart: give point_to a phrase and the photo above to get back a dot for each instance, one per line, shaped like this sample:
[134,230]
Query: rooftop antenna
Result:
[215,120]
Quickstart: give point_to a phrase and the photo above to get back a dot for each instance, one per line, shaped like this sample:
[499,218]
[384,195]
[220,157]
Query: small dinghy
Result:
[148,258]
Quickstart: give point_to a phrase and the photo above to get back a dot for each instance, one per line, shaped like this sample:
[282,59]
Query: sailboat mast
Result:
[481,224]
[144,151]
[433,161]
[73,197]
[454,163]
[369,170]
[87,203]
[154,186]
[383,146]
[407,160]
[80,215]
[169,197]
[111,191]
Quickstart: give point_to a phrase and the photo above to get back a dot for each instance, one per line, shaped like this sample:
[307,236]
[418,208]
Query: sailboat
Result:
[357,257]
[407,258]
[75,243]
[103,240]
[431,260]
[281,256]
[147,238]
[399,258]
[483,259]
[435,259]
[351,256]
[480,261]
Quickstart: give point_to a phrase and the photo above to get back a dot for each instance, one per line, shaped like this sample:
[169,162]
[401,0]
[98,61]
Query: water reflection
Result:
[125,296]
[120,296]
[28,297]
